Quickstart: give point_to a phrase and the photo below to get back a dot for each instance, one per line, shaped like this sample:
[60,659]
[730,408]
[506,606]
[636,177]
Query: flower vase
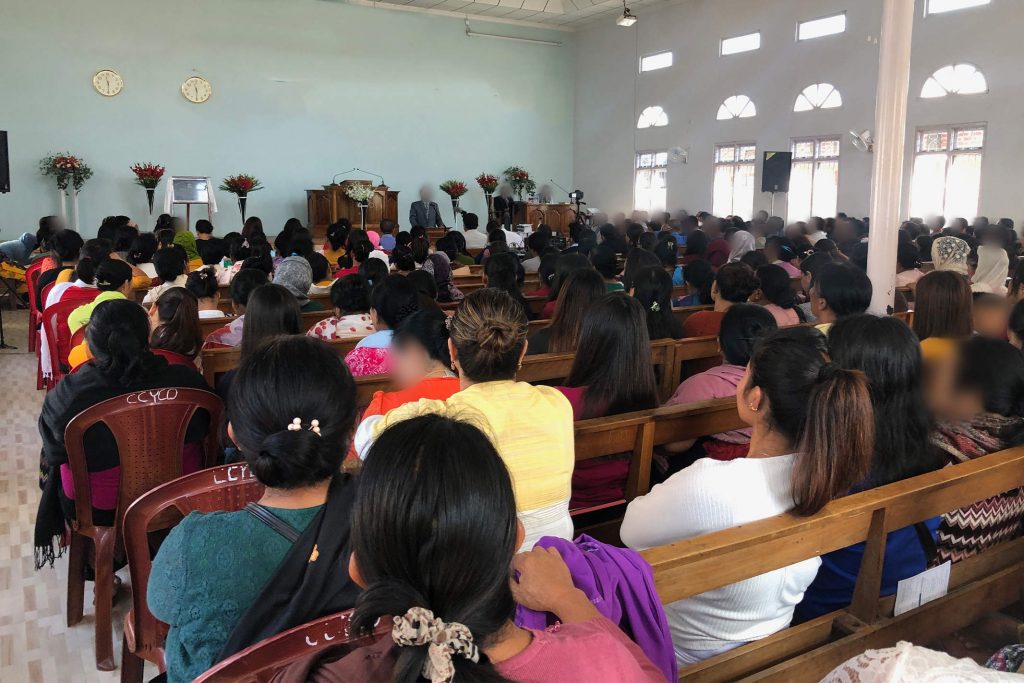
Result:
[362,215]
[489,196]
[150,194]
[62,196]
[241,205]
[74,202]
[455,212]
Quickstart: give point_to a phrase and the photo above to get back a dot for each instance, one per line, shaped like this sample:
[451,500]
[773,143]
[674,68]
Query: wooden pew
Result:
[978,585]
[309,319]
[218,361]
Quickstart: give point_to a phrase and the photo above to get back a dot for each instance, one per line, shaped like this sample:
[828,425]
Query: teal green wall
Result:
[302,89]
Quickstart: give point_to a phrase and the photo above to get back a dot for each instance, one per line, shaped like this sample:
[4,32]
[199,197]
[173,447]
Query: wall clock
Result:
[108,82]
[196,89]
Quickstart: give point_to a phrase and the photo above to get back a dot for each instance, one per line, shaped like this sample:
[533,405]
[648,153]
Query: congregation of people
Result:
[447,503]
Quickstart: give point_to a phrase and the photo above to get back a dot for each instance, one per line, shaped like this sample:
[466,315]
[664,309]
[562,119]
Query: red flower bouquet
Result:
[487,182]
[454,188]
[148,175]
[241,184]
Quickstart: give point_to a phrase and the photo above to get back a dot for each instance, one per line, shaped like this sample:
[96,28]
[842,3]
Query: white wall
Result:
[302,89]
[610,94]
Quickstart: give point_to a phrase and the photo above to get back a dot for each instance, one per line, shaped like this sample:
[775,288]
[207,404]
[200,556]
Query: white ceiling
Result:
[561,14]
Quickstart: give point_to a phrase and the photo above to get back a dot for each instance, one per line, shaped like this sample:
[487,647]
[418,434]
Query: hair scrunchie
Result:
[418,626]
[827,371]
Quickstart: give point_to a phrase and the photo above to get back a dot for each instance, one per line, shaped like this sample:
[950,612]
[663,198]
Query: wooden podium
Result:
[331,204]
[557,216]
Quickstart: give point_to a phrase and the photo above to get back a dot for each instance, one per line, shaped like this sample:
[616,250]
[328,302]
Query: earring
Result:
[753,407]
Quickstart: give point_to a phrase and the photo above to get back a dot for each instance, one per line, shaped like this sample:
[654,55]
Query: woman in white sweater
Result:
[812,439]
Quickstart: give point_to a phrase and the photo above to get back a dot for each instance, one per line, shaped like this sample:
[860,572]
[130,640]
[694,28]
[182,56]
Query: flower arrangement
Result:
[67,169]
[487,182]
[241,184]
[360,193]
[454,188]
[520,180]
[148,175]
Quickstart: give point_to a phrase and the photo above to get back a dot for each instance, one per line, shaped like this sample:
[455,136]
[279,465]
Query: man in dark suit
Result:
[504,206]
[425,212]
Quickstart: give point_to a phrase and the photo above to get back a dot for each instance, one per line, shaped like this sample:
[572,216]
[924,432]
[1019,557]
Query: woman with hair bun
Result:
[203,285]
[812,440]
[391,302]
[225,580]
[434,536]
[531,426]
[118,336]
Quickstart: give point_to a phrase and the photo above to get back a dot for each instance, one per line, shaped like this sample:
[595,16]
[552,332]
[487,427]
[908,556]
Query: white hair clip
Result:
[296,425]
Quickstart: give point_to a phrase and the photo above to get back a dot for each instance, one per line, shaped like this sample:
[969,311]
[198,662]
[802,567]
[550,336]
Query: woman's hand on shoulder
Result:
[544,584]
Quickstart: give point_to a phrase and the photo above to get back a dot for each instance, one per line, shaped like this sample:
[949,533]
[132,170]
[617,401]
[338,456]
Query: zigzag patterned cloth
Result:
[971,529]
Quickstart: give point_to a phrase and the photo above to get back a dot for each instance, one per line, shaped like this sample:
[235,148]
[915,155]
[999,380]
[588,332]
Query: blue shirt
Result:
[387,242]
[377,340]
[680,239]
[677,277]
[832,588]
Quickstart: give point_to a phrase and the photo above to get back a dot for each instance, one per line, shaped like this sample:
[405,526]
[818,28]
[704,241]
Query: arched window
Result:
[652,117]
[736,107]
[955,79]
[818,96]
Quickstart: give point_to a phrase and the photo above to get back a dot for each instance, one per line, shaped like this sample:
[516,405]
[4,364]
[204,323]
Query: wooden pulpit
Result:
[557,216]
[331,204]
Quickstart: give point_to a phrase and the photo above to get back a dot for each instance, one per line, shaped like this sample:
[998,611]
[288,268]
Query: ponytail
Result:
[838,440]
[179,331]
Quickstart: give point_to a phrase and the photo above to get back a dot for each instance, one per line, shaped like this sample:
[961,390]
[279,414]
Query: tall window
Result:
[649,186]
[947,171]
[736,107]
[955,79]
[818,96]
[652,117]
[814,179]
[661,60]
[734,180]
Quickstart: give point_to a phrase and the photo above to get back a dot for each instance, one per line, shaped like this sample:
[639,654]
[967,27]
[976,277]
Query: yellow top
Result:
[332,255]
[937,348]
[79,355]
[530,426]
[824,328]
[194,264]
[64,275]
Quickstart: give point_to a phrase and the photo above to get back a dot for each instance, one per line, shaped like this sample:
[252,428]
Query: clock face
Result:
[196,89]
[107,83]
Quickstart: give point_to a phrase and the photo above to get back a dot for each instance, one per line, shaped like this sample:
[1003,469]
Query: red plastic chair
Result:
[149,429]
[58,334]
[260,662]
[32,275]
[227,488]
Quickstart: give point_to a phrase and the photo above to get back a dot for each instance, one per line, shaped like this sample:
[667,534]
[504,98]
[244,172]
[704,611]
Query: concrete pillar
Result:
[890,138]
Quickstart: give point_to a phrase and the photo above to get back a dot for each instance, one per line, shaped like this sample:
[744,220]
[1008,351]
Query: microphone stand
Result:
[552,180]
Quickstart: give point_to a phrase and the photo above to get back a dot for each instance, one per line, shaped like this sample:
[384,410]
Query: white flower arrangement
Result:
[360,193]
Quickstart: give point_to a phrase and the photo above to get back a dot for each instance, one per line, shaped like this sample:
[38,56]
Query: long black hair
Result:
[394,299]
[566,264]
[428,329]
[434,526]
[271,311]
[285,378]
[179,331]
[699,275]
[503,272]
[888,352]
[613,360]
[995,370]
[743,326]
[118,336]
[653,289]
[776,288]
[94,252]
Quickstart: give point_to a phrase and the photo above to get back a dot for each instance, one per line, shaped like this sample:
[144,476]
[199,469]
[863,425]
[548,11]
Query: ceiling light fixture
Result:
[627,19]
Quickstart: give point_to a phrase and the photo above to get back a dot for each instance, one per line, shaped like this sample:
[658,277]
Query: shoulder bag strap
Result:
[273,521]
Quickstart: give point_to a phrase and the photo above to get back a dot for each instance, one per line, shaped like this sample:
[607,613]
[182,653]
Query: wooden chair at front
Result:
[260,662]
[149,430]
[225,488]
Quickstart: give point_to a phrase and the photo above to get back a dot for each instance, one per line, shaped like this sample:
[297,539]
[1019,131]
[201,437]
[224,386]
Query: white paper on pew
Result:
[917,590]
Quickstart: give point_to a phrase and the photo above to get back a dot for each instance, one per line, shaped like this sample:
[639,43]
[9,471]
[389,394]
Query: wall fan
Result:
[863,140]
[678,155]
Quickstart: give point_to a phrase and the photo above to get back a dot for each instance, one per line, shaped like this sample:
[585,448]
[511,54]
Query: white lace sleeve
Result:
[908,663]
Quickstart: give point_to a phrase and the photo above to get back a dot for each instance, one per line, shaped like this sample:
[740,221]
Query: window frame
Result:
[801,22]
[653,125]
[817,107]
[949,93]
[816,160]
[749,102]
[721,44]
[672,60]
[649,169]
[735,164]
[951,152]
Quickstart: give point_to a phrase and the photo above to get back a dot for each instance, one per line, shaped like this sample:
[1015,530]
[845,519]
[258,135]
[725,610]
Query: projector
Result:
[626,19]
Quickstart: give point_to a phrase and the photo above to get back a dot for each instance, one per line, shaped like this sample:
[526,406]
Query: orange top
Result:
[436,388]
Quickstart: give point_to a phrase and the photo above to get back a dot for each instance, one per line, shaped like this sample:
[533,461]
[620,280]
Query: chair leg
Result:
[76,578]
[131,666]
[104,591]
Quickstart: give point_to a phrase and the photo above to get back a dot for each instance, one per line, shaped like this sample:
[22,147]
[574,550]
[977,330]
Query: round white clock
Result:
[196,89]
[108,82]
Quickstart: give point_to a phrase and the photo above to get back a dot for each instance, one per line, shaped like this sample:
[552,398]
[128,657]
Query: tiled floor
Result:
[36,646]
